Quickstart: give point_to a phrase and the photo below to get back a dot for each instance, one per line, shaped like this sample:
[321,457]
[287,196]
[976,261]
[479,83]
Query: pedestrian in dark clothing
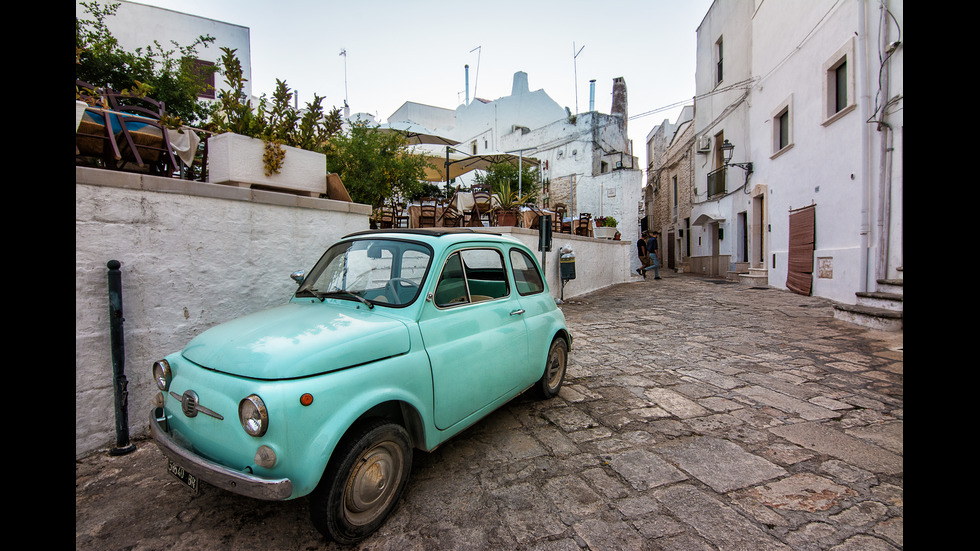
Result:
[641,251]
[654,251]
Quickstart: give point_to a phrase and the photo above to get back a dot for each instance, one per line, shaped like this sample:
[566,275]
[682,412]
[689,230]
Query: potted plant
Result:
[271,146]
[507,210]
[606,227]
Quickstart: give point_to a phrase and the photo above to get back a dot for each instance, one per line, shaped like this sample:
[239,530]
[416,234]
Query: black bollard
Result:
[123,445]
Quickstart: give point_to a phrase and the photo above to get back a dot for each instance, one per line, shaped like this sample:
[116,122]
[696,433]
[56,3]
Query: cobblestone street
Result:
[696,414]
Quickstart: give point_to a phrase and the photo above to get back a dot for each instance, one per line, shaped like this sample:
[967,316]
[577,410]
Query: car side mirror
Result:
[298,276]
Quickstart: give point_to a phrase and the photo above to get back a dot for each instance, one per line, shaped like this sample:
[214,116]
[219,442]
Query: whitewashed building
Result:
[810,96]
[586,160]
[137,25]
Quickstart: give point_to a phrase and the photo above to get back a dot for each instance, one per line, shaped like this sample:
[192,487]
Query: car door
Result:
[538,305]
[474,333]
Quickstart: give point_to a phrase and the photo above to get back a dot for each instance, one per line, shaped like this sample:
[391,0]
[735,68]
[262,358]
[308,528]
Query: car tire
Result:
[362,483]
[554,369]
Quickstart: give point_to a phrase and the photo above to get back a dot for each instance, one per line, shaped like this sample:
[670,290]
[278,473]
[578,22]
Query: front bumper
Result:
[213,473]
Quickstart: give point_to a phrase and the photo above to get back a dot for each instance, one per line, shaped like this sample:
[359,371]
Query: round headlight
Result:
[253,415]
[162,374]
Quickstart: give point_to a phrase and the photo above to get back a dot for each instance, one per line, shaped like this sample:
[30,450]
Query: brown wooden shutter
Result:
[802,238]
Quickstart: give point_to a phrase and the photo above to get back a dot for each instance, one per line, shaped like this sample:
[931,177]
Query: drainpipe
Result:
[864,106]
[884,185]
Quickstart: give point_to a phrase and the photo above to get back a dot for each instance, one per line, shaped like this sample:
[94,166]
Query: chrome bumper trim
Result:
[215,474]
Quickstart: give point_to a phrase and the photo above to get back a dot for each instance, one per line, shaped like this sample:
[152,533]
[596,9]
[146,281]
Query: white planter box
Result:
[237,160]
[603,232]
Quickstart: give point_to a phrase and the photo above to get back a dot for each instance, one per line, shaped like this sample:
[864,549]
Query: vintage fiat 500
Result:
[395,340]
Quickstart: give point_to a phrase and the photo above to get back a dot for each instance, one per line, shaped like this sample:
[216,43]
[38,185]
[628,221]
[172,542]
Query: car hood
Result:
[298,340]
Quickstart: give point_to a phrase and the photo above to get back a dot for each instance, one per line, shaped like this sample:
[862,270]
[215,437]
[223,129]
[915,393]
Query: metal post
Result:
[123,445]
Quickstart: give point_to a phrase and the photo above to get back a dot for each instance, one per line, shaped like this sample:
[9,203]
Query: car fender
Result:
[410,383]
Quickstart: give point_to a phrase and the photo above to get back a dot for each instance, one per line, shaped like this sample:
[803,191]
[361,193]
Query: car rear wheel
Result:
[554,369]
[362,483]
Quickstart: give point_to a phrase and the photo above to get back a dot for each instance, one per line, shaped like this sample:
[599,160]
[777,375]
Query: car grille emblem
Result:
[191,406]
[188,403]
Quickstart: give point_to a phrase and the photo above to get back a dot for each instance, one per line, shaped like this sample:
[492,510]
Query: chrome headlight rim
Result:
[253,415]
[162,374]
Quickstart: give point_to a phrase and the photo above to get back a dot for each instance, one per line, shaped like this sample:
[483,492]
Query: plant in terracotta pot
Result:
[512,188]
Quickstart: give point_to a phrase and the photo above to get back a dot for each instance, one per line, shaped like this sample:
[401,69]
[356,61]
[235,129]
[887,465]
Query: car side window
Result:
[472,275]
[527,278]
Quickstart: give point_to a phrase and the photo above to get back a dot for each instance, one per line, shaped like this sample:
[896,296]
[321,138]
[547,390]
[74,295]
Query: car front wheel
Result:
[554,369]
[362,483]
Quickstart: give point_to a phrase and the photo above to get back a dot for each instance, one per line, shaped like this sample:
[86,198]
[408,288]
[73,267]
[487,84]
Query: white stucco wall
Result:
[193,255]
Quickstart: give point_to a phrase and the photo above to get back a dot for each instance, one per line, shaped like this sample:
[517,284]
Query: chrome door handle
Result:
[517,312]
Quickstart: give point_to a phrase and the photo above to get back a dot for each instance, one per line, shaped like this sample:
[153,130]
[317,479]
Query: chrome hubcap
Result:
[372,483]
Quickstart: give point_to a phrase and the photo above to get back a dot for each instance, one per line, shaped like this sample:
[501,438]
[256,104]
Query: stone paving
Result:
[696,415]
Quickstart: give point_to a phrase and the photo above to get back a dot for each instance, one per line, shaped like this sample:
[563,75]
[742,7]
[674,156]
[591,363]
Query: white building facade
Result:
[810,95]
[585,160]
[137,25]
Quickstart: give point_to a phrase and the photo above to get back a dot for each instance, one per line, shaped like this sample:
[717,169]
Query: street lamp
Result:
[727,149]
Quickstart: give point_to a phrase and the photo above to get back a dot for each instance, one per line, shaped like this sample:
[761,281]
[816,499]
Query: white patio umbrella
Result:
[416,134]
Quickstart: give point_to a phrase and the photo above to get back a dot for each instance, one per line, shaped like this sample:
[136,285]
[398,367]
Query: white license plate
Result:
[181,474]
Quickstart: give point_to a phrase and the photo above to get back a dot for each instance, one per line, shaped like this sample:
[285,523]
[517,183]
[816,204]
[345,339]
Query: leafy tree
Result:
[373,165]
[168,75]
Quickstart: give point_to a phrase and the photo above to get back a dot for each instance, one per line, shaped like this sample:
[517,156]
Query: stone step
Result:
[881,319]
[879,299]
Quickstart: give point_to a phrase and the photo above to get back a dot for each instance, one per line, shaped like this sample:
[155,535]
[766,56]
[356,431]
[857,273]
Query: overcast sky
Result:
[405,50]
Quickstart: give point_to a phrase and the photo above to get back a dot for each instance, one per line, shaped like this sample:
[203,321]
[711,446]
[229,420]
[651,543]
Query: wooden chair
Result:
[482,205]
[582,225]
[399,216]
[144,136]
[427,215]
[451,217]
[538,213]
[558,223]
[385,217]
[94,137]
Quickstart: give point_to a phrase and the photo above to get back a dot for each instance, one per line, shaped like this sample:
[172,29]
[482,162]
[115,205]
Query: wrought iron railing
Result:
[716,182]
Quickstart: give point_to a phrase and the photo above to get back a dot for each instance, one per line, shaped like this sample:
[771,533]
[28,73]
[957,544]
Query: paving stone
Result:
[837,444]
[720,464]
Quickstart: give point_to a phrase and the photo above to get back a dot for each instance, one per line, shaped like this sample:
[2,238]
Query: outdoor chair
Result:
[399,216]
[582,225]
[144,135]
[94,137]
[427,214]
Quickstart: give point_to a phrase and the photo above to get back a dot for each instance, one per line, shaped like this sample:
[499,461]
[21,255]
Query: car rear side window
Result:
[472,275]
[527,278]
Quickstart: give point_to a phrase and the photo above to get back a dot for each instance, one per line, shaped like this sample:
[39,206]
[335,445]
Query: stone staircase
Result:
[881,309]
[755,277]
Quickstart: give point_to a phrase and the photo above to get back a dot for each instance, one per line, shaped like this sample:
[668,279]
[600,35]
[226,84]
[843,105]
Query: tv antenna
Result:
[476,81]
[343,52]
[575,67]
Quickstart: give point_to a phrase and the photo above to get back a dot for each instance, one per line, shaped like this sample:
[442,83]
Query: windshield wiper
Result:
[341,294]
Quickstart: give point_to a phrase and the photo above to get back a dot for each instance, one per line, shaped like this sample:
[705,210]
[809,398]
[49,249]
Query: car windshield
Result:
[385,272]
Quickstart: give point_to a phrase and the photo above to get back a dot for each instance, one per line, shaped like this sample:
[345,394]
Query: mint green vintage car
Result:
[396,340]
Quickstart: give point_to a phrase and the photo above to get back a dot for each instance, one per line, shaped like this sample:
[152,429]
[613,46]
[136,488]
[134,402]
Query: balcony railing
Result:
[716,182]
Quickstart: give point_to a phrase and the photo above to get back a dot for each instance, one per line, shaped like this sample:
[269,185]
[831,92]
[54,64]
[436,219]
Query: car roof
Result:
[435,236]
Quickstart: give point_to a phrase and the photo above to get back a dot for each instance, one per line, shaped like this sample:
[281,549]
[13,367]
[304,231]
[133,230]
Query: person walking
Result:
[641,252]
[653,251]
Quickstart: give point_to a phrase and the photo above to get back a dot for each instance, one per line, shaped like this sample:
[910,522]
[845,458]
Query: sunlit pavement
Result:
[696,414]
